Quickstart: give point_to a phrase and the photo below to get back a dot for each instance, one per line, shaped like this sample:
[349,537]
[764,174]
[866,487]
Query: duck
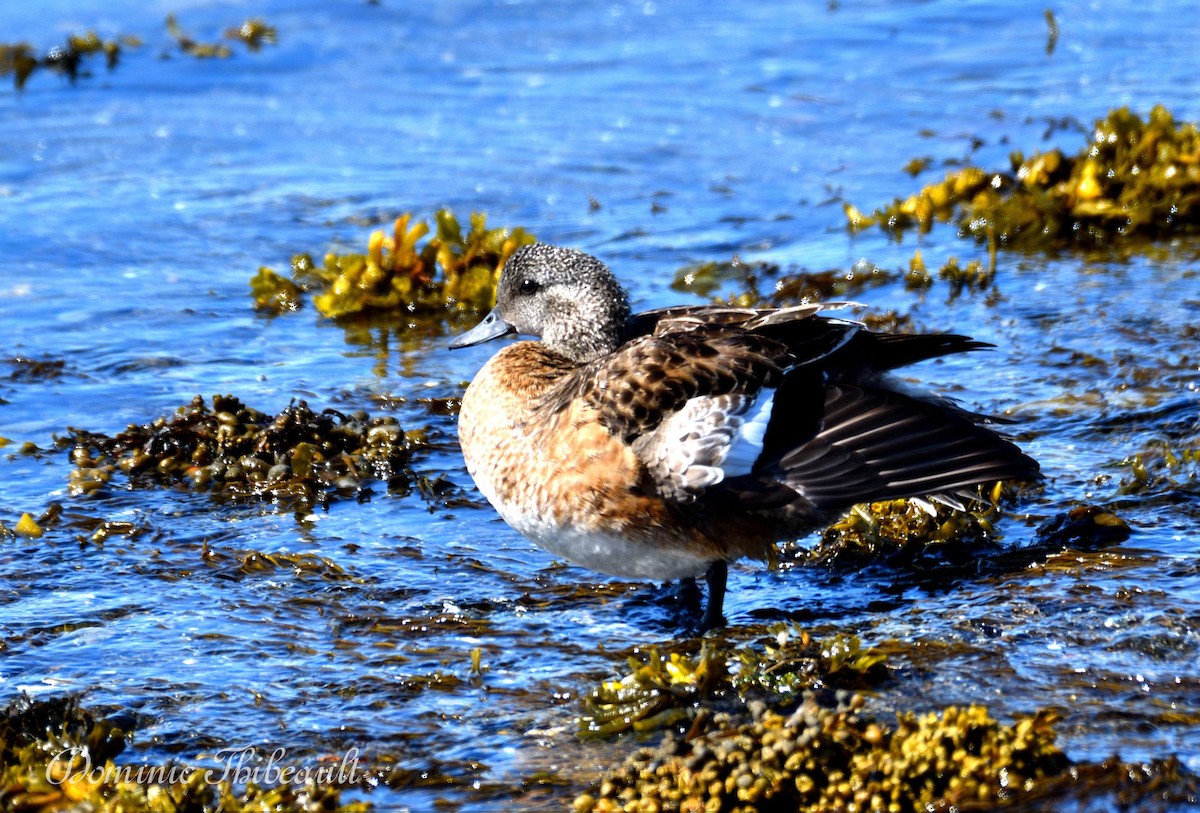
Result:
[665,445]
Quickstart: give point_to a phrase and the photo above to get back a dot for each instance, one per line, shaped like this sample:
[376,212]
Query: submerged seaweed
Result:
[299,458]
[1135,179]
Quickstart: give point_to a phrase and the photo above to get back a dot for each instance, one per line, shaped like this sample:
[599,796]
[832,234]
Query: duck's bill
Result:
[492,327]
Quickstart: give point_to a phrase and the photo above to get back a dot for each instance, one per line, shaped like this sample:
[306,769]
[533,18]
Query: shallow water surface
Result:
[136,204]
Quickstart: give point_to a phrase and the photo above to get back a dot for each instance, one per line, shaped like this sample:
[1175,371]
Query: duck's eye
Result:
[529,286]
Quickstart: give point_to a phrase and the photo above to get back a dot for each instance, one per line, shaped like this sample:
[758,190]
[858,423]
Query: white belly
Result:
[604,552]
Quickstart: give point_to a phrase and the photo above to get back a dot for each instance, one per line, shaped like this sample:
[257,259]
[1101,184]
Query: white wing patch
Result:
[709,439]
[748,443]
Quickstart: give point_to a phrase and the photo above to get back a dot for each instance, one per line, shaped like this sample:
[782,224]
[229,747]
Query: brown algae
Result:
[1161,468]
[766,285]
[21,60]
[905,528]
[56,755]
[757,728]
[298,457]
[830,756]
[253,33]
[1135,179]
[452,272]
[679,687]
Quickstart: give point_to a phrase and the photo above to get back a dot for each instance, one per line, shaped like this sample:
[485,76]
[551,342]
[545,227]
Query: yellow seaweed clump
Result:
[829,757]
[658,691]
[681,687]
[200,50]
[793,661]
[908,527]
[20,60]
[1161,468]
[452,272]
[1135,178]
[254,32]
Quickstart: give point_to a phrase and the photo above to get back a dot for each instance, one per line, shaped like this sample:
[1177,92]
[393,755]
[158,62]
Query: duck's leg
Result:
[714,616]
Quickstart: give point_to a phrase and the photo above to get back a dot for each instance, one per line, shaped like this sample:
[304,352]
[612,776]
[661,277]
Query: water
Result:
[135,205]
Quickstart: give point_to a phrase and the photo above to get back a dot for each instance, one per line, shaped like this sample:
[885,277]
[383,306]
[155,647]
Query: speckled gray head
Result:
[567,298]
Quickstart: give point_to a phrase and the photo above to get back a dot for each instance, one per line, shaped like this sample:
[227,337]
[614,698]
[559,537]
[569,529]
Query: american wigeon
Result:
[665,444]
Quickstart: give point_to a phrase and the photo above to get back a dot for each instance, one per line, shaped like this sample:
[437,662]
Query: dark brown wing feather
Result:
[877,444]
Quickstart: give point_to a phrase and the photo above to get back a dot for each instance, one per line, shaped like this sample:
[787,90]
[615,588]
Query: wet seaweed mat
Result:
[57,755]
[828,756]
[297,458]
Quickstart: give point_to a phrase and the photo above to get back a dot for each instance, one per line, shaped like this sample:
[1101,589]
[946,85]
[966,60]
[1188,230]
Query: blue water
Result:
[136,204]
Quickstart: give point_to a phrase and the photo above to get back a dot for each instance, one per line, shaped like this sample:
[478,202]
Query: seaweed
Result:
[829,755]
[798,286]
[21,59]
[899,531]
[201,50]
[1083,526]
[451,273]
[680,688]
[1161,469]
[297,458]
[253,33]
[743,282]
[57,755]
[792,661]
[28,369]
[28,526]
[1134,180]
[658,691]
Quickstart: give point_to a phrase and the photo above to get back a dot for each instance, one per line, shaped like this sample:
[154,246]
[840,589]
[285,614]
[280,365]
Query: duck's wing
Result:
[693,396]
[685,402]
[782,408]
[864,442]
[846,432]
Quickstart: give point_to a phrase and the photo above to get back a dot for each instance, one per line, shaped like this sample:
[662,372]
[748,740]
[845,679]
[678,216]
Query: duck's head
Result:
[568,299]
